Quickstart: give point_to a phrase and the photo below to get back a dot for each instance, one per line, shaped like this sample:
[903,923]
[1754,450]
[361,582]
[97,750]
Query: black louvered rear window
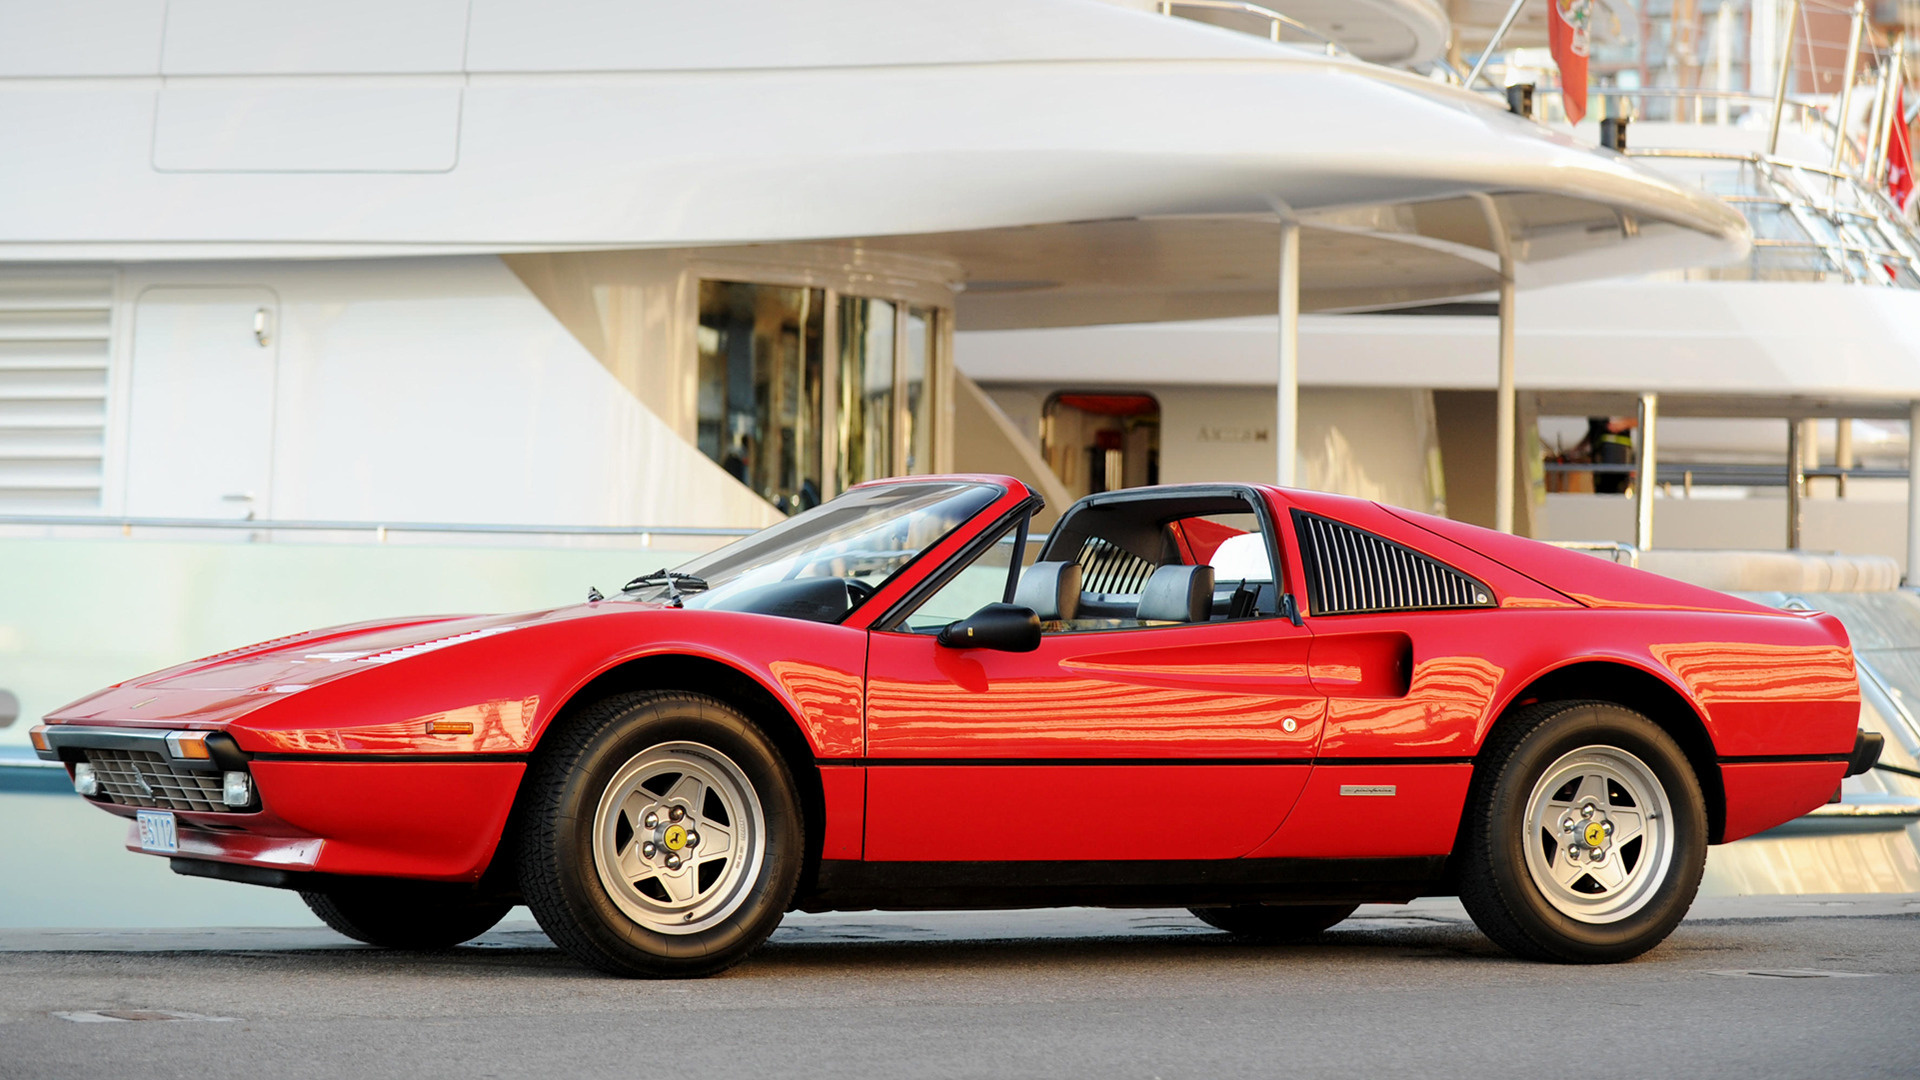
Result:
[1106,567]
[1351,570]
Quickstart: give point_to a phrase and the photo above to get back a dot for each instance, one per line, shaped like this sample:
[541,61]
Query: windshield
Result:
[823,563]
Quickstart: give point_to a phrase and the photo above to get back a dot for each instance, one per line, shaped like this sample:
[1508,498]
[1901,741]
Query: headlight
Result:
[236,789]
[84,781]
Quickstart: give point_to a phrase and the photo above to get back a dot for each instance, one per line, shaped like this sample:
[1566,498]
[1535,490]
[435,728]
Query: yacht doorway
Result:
[1096,441]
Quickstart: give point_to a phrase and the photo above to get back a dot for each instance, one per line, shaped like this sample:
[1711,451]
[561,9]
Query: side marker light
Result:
[37,734]
[449,727]
[188,744]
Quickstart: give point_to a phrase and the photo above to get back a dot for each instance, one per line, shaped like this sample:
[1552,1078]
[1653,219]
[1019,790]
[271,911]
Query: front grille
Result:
[1350,571]
[147,779]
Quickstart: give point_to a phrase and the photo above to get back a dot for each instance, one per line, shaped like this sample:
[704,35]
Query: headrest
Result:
[1243,558]
[1051,589]
[1177,594]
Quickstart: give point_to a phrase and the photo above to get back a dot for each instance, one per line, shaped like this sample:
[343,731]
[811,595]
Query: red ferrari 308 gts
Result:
[1265,705]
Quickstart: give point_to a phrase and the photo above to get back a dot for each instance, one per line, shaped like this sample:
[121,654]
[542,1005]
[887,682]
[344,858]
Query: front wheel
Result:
[661,836]
[1585,836]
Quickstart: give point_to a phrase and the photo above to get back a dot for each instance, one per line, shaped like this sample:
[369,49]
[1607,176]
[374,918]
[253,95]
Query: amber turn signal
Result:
[188,744]
[449,727]
[38,735]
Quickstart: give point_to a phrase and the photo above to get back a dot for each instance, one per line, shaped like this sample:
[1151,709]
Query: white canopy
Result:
[1076,161]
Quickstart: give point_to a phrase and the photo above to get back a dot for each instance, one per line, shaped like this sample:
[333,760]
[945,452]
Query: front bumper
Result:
[144,768]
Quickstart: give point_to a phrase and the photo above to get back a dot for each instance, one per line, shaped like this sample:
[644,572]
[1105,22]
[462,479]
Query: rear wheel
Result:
[661,836]
[1585,835]
[1274,922]
[407,914]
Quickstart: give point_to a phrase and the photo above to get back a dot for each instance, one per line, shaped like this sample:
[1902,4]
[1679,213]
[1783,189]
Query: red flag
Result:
[1899,154]
[1567,34]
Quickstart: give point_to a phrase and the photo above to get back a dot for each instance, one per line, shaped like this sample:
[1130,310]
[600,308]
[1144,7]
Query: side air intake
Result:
[1351,571]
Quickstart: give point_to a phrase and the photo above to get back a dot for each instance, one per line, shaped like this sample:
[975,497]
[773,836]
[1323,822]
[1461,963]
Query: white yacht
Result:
[491,297]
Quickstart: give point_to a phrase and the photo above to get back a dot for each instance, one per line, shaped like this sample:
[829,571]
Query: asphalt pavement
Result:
[1824,987]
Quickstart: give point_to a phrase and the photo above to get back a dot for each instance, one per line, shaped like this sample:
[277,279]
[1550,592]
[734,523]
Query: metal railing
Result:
[1727,474]
[1841,227]
[378,529]
[1613,549]
[1276,22]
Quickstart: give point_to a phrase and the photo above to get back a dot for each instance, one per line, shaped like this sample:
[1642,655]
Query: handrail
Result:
[1275,20]
[1869,209]
[378,527]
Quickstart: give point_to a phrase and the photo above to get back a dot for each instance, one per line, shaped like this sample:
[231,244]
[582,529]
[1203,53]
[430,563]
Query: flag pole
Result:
[1786,68]
[1852,71]
[1494,42]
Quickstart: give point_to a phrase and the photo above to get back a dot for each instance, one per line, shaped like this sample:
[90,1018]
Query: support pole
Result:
[1842,454]
[1504,408]
[1913,495]
[1780,86]
[1646,472]
[1796,482]
[1286,436]
[1846,83]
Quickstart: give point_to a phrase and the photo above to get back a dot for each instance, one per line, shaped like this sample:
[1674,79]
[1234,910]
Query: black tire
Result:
[1490,865]
[1274,922]
[407,914]
[559,877]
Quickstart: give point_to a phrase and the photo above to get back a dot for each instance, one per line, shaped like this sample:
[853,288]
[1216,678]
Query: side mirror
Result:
[1006,627]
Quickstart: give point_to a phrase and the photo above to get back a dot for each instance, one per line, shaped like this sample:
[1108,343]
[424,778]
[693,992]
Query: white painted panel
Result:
[287,37]
[663,35]
[80,37]
[442,390]
[200,435]
[375,125]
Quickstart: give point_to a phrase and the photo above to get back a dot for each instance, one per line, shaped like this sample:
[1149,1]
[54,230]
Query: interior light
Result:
[84,781]
[37,734]
[188,744]
[236,789]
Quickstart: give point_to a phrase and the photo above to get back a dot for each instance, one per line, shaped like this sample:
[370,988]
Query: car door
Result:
[1169,742]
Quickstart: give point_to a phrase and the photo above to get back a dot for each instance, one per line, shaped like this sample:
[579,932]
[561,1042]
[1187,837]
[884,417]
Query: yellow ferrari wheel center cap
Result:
[676,837]
[1596,834]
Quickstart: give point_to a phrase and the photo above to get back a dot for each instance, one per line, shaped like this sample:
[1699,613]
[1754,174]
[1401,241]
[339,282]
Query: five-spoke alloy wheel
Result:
[660,835]
[1585,834]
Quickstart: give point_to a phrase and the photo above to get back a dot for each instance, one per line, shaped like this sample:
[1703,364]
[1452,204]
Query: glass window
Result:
[983,582]
[862,537]
[759,398]
[917,408]
[866,389]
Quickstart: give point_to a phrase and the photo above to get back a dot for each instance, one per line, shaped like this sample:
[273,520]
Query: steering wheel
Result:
[858,591]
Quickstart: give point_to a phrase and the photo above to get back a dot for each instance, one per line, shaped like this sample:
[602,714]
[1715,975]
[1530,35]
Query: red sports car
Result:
[1265,705]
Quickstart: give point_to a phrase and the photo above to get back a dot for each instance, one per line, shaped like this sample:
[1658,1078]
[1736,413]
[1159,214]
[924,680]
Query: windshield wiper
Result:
[678,584]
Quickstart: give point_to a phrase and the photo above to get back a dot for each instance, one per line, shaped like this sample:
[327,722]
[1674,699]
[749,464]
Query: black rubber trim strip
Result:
[396,759]
[1785,759]
[1054,762]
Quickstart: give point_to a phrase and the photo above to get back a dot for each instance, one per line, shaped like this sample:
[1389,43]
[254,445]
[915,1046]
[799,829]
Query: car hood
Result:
[223,686]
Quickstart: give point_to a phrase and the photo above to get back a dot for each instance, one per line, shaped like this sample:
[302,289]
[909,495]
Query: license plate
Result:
[157,832]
